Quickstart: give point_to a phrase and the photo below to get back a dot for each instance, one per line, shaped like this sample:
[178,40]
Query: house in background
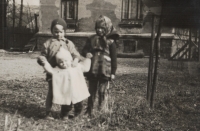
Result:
[131,18]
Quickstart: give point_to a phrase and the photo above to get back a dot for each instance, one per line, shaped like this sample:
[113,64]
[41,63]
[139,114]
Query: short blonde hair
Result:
[63,54]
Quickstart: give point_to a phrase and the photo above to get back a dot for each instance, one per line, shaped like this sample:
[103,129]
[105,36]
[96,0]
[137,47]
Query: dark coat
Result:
[104,60]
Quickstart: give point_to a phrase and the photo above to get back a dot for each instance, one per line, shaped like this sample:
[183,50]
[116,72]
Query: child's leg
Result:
[78,108]
[65,109]
[92,90]
[49,98]
[49,102]
[103,85]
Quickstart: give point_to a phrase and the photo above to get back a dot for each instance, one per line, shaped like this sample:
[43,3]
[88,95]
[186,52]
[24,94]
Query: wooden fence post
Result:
[2,23]
[156,67]
[150,69]
[190,43]
[199,46]
[21,13]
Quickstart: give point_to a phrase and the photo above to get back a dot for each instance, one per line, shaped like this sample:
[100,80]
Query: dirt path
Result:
[19,66]
[24,65]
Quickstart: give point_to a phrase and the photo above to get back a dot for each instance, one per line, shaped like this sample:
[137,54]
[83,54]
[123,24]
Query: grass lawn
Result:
[23,91]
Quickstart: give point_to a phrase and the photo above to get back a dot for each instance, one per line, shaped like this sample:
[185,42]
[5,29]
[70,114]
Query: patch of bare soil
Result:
[176,108]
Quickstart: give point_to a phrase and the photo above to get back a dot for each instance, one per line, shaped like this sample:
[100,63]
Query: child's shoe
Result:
[89,112]
[64,118]
[77,109]
[64,115]
[49,116]
[76,114]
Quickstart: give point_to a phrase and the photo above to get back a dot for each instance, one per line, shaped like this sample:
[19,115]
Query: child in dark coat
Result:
[102,46]
[49,50]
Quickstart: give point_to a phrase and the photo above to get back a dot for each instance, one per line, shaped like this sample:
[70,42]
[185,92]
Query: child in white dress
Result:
[69,85]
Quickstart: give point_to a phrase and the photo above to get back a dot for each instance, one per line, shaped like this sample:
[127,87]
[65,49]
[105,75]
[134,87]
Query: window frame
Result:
[72,22]
[132,22]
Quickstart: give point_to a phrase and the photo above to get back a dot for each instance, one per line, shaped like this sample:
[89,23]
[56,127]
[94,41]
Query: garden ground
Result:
[177,101]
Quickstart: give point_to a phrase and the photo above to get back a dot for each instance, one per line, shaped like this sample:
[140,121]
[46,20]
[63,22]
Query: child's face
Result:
[100,31]
[64,64]
[58,32]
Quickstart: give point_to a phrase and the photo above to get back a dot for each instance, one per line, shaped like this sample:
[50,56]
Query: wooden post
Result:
[2,24]
[36,26]
[157,49]
[199,45]
[30,17]
[136,45]
[13,14]
[13,32]
[190,43]
[21,13]
[195,43]
[150,69]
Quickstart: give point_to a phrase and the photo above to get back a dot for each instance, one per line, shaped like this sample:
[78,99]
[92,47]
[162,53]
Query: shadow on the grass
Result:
[29,110]
[23,98]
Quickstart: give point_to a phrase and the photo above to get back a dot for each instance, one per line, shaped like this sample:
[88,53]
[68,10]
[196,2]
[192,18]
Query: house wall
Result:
[89,10]
[143,43]
[49,10]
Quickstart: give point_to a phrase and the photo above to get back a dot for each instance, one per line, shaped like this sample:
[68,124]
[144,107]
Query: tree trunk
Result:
[21,13]
[2,23]
[13,14]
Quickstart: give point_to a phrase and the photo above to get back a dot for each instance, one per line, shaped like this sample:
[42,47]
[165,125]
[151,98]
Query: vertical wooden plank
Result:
[21,13]
[2,26]
[141,9]
[190,44]
[138,9]
[196,32]
[122,12]
[150,69]
[125,9]
[31,20]
[129,9]
[76,10]
[157,53]
[67,9]
[136,45]
[199,43]
[36,26]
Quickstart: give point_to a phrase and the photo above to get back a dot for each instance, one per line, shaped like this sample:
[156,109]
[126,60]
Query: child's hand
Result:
[75,62]
[112,77]
[89,55]
[110,41]
[41,60]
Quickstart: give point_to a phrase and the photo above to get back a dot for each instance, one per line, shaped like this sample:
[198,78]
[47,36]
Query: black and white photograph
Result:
[99,65]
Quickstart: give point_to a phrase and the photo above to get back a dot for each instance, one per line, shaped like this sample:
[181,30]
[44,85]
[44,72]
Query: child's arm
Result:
[47,67]
[75,54]
[41,60]
[44,52]
[113,56]
[75,62]
[86,63]
[86,49]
